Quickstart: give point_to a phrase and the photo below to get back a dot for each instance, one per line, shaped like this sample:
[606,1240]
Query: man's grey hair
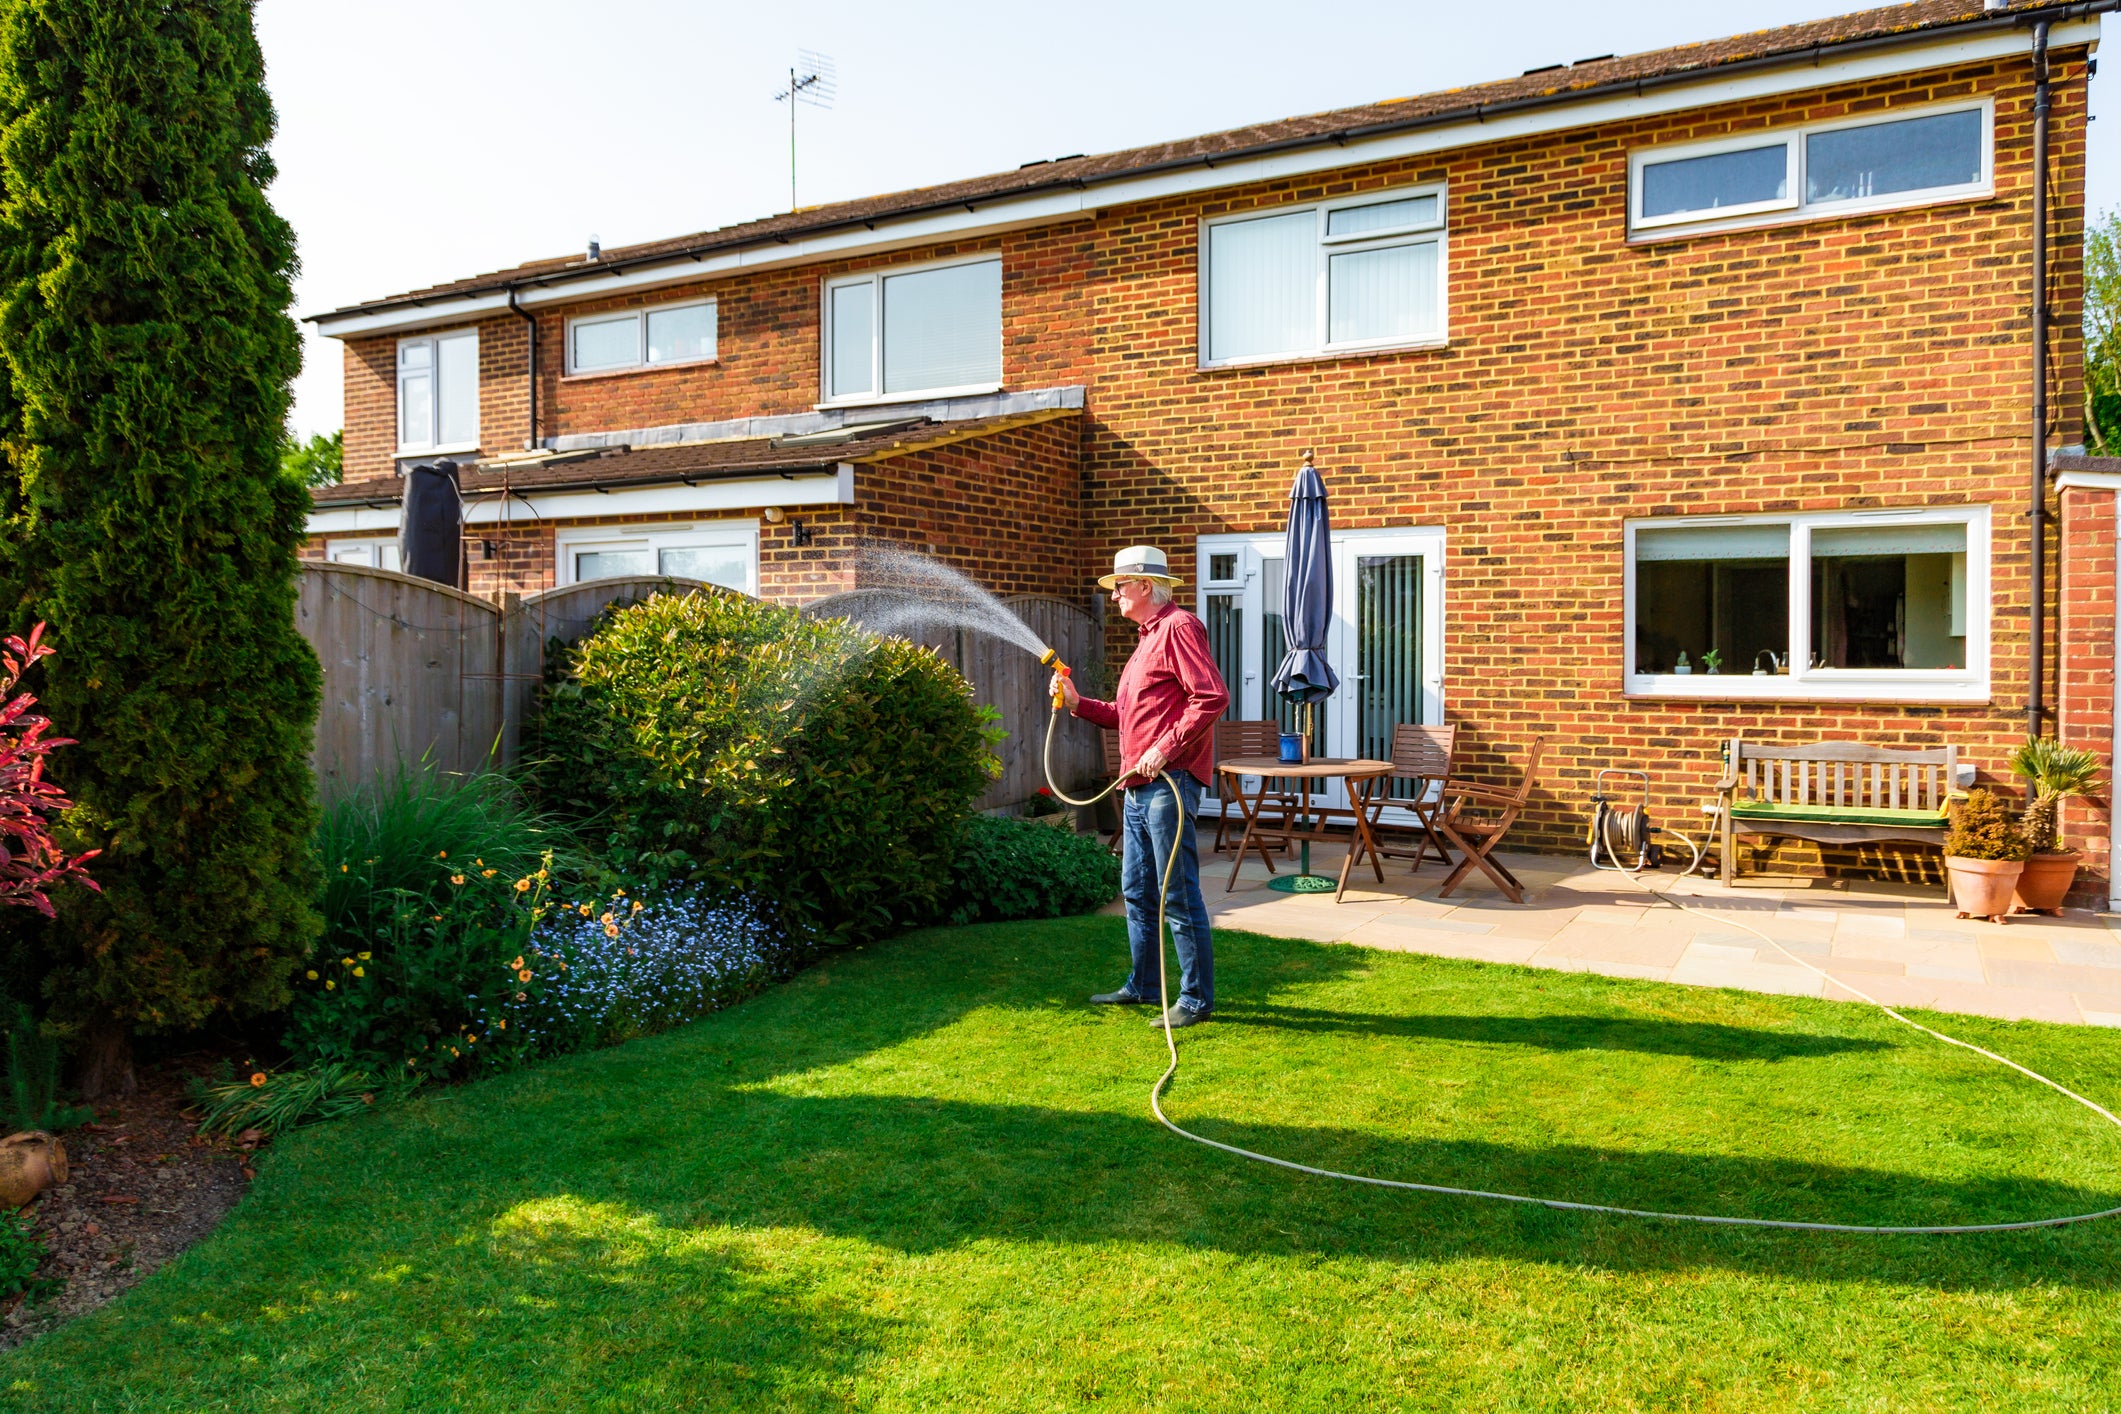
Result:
[1159,593]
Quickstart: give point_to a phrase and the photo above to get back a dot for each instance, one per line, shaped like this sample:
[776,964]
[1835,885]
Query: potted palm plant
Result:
[2055,772]
[1983,856]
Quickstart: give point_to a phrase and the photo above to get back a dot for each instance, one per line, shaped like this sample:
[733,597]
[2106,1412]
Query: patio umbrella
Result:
[1307,593]
[1306,614]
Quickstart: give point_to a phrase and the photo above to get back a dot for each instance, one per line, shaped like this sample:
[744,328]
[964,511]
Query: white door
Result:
[1386,638]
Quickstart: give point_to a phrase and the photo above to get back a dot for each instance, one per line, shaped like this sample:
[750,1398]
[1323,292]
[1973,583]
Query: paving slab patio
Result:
[1902,944]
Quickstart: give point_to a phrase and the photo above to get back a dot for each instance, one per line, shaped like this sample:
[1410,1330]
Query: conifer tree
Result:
[146,350]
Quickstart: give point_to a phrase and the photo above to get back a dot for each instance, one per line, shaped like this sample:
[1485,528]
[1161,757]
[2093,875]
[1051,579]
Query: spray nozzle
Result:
[1051,659]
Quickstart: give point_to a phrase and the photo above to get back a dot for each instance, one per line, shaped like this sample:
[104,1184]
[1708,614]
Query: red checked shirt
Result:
[1170,697]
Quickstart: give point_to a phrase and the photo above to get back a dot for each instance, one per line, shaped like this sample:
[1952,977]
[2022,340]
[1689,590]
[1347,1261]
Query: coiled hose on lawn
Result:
[1156,1092]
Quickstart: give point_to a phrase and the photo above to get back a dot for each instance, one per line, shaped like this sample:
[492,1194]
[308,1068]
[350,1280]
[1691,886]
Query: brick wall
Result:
[1829,364]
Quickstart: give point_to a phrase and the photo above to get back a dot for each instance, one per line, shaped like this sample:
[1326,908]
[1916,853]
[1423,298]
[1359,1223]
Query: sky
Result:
[426,140]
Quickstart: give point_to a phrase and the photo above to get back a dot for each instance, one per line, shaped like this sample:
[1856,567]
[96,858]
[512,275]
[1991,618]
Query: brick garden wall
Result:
[1827,364]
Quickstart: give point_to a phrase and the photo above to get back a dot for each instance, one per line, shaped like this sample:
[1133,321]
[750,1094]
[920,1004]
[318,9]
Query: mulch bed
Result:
[143,1186]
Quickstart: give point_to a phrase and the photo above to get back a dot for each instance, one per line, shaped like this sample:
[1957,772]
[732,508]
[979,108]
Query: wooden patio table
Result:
[1363,777]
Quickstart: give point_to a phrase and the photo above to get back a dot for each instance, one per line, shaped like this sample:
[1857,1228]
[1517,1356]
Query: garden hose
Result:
[1156,1092]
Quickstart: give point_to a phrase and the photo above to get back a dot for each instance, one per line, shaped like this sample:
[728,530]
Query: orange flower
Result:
[257,1078]
[523,974]
[518,962]
[584,909]
[456,878]
[522,884]
[611,930]
[442,854]
[488,873]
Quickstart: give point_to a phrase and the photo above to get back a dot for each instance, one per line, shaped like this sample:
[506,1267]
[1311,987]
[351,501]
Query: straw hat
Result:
[1139,562]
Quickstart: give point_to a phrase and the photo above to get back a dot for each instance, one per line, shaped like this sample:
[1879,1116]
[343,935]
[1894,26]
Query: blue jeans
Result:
[1154,823]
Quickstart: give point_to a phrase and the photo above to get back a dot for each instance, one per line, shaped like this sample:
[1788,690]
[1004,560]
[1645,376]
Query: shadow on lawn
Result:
[1703,1040]
[921,1175]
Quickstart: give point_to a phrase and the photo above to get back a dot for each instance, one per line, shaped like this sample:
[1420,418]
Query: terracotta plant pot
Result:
[1982,887]
[2045,882]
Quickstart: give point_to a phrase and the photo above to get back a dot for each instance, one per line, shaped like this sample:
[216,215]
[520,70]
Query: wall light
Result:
[776,514]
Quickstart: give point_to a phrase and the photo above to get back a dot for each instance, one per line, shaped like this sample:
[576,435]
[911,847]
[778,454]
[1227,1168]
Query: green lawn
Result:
[923,1176]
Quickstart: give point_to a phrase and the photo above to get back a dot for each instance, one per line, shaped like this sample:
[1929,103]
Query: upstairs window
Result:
[1347,275]
[1878,162]
[438,393]
[932,330]
[1881,605]
[642,338]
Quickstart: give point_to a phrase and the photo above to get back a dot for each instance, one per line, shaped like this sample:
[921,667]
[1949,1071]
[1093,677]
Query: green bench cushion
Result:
[1762,811]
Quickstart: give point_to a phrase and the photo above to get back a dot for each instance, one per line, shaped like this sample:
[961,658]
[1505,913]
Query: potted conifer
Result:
[2055,772]
[1983,856]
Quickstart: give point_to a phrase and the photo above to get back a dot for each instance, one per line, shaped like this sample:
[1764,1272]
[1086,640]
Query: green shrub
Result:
[1983,829]
[433,884]
[815,770]
[1008,869]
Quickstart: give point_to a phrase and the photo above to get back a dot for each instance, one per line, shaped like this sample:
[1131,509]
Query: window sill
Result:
[453,449]
[1678,231]
[1923,691]
[634,370]
[1229,365]
[926,395]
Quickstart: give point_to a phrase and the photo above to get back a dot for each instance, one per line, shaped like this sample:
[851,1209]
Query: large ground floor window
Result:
[724,553]
[1888,604]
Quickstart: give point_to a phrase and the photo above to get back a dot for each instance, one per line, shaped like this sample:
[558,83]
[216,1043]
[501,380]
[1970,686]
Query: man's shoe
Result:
[1122,997]
[1180,1016]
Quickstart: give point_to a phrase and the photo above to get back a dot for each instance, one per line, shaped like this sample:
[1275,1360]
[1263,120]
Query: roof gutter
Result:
[1478,112]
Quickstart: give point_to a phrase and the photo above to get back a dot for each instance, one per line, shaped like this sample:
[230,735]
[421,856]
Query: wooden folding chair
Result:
[1477,835]
[1422,753]
[1248,739]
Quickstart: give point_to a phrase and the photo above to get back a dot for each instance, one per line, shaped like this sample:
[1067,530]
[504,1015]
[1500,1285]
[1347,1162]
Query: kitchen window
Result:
[928,331]
[642,338]
[724,554]
[438,393]
[1349,275]
[1856,605]
[1932,154]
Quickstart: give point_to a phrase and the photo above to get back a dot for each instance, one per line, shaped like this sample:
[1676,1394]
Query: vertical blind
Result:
[1383,294]
[943,328]
[1388,653]
[1263,286]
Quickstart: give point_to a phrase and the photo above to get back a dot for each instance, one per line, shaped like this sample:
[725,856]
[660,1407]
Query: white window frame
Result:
[1793,207]
[1421,233]
[712,534]
[875,279]
[367,550]
[1340,714]
[1967,684]
[640,337]
[432,447]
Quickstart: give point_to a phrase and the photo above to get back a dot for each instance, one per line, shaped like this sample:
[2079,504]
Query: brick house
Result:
[1661,398]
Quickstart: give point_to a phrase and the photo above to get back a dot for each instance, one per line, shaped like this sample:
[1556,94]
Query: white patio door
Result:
[1385,641]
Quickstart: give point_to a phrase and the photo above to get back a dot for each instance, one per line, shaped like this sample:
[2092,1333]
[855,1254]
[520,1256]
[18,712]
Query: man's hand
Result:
[1151,765]
[1064,685]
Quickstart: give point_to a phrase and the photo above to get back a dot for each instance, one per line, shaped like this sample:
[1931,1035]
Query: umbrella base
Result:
[1302,884]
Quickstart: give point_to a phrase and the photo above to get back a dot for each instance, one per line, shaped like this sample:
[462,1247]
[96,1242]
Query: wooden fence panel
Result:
[413,668]
[410,670]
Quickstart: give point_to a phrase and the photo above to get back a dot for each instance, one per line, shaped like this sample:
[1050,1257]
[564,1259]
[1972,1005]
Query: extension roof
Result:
[1557,84]
[613,468]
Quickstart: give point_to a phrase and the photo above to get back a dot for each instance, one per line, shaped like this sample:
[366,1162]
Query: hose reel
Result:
[1622,836]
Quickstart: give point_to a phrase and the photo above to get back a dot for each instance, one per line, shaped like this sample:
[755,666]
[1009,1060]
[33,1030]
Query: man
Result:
[1169,699]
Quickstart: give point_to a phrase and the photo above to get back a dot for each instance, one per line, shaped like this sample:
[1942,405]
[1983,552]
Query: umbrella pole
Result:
[1303,881]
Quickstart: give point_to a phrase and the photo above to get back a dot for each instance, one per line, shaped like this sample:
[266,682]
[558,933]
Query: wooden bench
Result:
[1834,792]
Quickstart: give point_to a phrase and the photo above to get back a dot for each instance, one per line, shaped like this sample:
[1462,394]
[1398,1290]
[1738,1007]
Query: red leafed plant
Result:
[30,862]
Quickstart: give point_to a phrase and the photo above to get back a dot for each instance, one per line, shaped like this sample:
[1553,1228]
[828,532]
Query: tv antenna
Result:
[812,81]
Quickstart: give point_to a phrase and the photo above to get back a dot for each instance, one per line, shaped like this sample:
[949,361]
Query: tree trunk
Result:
[107,1062]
